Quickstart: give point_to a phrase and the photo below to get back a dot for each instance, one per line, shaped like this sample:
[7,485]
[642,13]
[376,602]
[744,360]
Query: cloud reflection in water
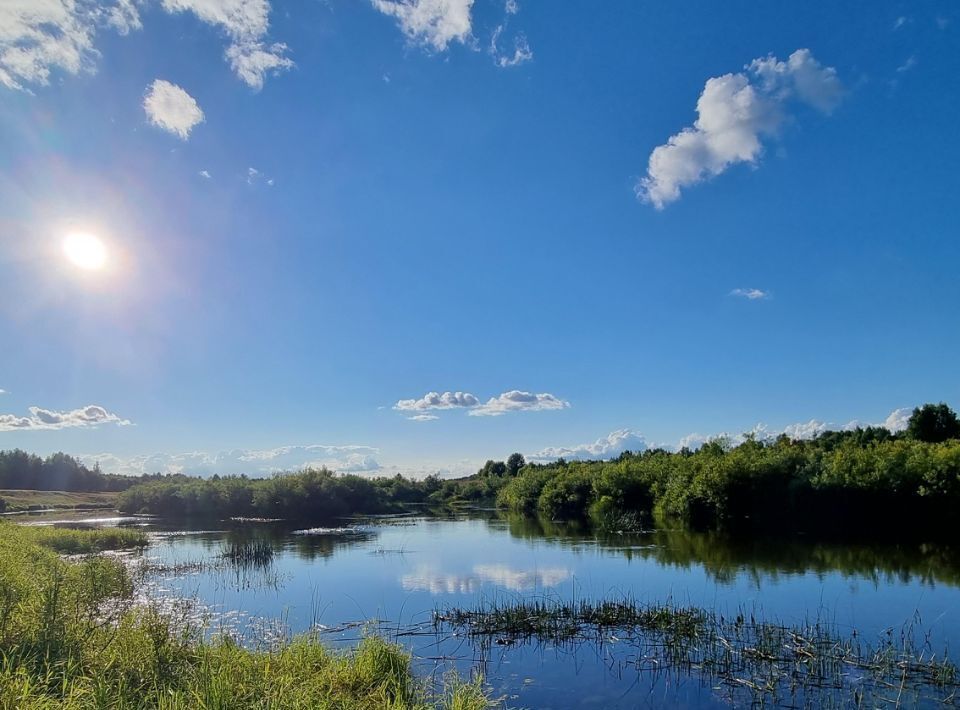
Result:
[427,579]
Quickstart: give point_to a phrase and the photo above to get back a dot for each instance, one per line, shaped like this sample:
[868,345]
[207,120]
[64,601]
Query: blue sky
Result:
[622,223]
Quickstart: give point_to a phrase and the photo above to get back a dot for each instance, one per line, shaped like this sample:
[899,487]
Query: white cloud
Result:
[608,447]
[40,36]
[423,418]
[735,112]
[806,430]
[246,23]
[521,50]
[907,65]
[752,294]
[205,174]
[897,420]
[40,419]
[511,7]
[899,22]
[253,462]
[517,401]
[171,108]
[436,400]
[123,17]
[37,36]
[434,23]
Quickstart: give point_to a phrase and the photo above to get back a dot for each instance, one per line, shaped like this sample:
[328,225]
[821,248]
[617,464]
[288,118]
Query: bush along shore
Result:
[72,637]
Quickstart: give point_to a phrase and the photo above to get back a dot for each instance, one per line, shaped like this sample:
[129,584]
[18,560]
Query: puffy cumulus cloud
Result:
[735,113]
[437,400]
[246,23]
[752,294]
[806,430]
[608,447]
[47,419]
[898,419]
[517,401]
[252,462]
[433,23]
[171,108]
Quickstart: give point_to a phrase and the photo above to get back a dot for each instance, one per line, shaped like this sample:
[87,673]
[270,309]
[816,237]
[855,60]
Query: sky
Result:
[412,235]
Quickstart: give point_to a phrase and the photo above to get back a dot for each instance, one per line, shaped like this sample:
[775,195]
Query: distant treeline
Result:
[868,478]
[312,494]
[58,472]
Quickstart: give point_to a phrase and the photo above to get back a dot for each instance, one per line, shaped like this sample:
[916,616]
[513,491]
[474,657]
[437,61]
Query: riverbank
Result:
[72,636]
[18,501]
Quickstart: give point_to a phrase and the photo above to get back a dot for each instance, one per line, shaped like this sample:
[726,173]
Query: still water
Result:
[401,569]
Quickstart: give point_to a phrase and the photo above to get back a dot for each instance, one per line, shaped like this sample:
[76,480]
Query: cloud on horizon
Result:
[252,462]
[608,447]
[735,113]
[40,419]
[621,440]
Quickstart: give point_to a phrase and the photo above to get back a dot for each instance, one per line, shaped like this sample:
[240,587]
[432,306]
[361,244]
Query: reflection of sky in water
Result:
[401,571]
[430,580]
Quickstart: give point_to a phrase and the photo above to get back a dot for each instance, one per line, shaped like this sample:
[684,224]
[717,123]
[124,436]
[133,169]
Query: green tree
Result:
[933,423]
[514,463]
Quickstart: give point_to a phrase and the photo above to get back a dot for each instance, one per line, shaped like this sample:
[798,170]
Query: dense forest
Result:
[58,472]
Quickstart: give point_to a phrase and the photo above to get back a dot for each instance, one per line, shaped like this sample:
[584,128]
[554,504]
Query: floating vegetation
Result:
[752,661]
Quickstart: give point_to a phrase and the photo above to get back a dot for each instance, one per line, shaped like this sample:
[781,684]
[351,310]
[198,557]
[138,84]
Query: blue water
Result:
[400,570]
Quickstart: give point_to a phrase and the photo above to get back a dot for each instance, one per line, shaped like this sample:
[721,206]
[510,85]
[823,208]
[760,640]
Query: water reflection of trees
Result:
[320,543]
[725,556]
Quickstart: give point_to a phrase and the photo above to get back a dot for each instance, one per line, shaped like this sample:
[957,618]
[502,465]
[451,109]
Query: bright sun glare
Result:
[85,251]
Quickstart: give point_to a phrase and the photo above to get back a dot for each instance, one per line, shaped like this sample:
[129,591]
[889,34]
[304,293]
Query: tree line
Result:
[58,472]
[867,479]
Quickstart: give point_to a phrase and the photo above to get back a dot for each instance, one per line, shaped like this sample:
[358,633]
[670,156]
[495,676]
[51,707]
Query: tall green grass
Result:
[71,636]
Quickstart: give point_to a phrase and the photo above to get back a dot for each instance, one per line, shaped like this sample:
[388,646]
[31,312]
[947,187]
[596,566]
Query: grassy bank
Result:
[71,637]
[20,500]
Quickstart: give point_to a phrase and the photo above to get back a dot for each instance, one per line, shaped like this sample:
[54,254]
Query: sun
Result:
[85,251]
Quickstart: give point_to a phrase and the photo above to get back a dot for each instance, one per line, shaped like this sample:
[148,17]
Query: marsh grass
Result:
[72,636]
[248,553]
[811,665]
[73,541]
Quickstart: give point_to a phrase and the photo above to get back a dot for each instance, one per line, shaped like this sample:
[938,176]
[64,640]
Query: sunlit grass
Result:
[72,637]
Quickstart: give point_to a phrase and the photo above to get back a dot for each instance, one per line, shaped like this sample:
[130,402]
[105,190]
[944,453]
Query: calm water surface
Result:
[400,570]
